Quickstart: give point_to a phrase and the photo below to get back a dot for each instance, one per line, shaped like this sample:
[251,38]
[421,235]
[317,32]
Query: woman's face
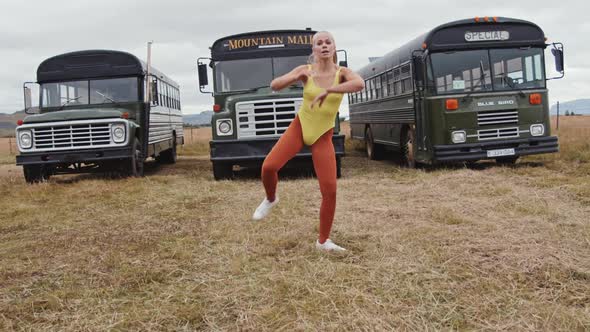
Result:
[323,46]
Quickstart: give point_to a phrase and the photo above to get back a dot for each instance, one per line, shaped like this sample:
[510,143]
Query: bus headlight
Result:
[458,136]
[118,133]
[537,129]
[25,139]
[224,127]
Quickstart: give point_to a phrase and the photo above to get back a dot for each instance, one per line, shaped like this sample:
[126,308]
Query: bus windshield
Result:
[85,92]
[235,75]
[487,70]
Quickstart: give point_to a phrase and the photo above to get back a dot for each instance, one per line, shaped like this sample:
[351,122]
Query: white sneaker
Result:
[264,208]
[328,246]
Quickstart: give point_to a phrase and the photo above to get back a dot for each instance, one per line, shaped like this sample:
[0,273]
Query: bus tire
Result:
[169,156]
[374,150]
[134,166]
[338,167]
[507,160]
[408,158]
[222,170]
[35,173]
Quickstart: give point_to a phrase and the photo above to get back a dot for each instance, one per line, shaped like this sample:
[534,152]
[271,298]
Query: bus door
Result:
[419,115]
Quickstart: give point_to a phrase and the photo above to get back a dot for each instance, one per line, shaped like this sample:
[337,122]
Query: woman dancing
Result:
[324,85]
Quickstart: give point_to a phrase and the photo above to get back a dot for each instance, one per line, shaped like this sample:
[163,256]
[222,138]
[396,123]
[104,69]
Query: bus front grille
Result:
[487,134]
[265,118]
[81,134]
[501,117]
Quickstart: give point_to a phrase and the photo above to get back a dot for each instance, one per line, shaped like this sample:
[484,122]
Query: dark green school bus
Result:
[94,113]
[248,116]
[464,91]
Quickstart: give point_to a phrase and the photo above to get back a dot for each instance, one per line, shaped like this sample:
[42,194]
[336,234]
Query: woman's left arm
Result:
[352,83]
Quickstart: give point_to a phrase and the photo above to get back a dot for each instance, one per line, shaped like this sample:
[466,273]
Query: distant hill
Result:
[203,118]
[578,106]
[8,121]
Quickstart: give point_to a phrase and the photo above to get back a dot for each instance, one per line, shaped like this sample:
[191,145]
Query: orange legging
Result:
[324,163]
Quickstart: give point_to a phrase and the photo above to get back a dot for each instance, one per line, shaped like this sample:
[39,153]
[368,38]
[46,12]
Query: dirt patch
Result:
[10,170]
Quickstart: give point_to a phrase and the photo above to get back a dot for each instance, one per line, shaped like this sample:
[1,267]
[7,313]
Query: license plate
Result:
[500,153]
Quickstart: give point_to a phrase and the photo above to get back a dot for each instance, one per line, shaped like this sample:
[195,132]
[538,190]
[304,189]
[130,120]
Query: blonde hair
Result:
[311,59]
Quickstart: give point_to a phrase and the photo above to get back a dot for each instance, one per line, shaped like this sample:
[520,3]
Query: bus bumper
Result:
[479,151]
[257,149]
[68,157]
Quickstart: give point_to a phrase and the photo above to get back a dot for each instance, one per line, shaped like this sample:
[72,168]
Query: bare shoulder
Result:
[345,71]
[345,74]
[300,68]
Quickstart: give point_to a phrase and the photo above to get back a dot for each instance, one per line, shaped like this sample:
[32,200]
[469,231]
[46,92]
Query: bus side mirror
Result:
[28,101]
[558,54]
[203,80]
[418,66]
[154,98]
[343,63]
[31,89]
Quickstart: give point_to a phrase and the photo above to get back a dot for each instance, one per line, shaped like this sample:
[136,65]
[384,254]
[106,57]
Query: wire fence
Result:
[196,134]
[8,146]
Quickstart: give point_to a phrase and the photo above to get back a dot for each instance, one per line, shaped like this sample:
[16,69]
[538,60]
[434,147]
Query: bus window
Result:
[378,87]
[383,85]
[161,92]
[397,85]
[390,83]
[169,95]
[243,74]
[406,78]
[516,68]
[362,93]
[462,71]
[57,94]
[468,79]
[113,90]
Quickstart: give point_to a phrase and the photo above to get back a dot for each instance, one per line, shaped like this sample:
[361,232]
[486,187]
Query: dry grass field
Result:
[486,247]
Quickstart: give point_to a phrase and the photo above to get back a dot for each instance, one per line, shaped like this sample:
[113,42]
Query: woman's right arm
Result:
[297,74]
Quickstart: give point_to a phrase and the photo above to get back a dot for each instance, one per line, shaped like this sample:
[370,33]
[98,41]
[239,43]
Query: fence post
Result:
[557,124]
[10,144]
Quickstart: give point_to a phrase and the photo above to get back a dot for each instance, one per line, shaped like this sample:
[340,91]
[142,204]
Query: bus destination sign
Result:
[273,41]
[479,36]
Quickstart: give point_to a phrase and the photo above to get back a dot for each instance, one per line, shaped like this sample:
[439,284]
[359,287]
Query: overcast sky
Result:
[182,31]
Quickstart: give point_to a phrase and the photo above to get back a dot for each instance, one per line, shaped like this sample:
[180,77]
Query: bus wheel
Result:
[407,148]
[507,160]
[374,150]
[222,170]
[169,156]
[134,165]
[338,167]
[35,173]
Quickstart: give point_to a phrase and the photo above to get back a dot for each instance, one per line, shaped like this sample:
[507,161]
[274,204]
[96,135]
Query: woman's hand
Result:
[350,82]
[319,99]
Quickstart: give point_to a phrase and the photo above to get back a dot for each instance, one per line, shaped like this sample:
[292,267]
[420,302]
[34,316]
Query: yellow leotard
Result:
[317,121]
